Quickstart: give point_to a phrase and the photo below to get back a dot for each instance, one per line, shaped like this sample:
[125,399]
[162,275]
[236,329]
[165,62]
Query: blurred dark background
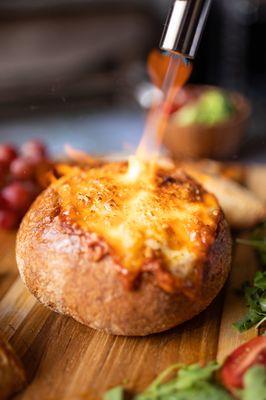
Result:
[70,70]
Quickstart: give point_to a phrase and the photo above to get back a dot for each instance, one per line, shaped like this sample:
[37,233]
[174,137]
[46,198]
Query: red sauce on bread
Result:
[163,222]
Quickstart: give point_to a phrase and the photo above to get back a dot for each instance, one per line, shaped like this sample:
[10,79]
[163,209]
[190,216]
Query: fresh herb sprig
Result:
[255,294]
[258,242]
[197,383]
[255,297]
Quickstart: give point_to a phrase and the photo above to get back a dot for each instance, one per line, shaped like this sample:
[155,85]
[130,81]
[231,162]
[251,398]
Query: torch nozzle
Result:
[184,27]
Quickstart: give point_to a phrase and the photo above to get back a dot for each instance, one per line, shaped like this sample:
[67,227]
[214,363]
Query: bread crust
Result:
[56,267]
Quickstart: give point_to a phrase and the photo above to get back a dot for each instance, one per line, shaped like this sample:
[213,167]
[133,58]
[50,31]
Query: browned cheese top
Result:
[160,214]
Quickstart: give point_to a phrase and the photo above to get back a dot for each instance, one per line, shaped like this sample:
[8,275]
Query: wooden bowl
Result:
[218,141]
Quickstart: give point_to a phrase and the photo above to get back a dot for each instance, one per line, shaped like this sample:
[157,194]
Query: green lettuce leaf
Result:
[254,384]
[116,393]
[191,382]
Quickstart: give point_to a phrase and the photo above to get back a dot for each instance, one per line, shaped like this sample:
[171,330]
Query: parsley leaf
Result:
[255,297]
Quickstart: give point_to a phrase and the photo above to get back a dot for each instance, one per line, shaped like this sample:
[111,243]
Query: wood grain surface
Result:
[65,360]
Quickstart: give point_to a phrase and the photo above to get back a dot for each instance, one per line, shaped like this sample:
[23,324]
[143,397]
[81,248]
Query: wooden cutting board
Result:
[68,361]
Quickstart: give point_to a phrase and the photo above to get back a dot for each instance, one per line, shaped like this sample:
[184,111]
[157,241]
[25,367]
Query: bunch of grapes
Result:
[19,185]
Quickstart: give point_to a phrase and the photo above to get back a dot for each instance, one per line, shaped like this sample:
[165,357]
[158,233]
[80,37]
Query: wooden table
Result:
[68,361]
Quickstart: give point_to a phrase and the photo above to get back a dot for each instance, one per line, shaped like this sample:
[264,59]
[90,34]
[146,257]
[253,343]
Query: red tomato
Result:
[247,355]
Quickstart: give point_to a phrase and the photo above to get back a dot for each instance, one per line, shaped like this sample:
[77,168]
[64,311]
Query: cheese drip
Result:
[162,214]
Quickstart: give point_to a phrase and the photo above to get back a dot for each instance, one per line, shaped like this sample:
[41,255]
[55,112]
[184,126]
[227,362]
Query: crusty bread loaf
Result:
[75,272]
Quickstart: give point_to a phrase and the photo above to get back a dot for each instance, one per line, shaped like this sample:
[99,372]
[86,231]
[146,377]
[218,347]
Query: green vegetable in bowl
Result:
[213,107]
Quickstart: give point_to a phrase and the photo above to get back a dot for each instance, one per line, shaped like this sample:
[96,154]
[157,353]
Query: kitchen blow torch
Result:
[184,27]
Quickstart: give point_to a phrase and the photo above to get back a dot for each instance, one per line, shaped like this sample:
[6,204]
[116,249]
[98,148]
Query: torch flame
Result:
[169,73]
[135,166]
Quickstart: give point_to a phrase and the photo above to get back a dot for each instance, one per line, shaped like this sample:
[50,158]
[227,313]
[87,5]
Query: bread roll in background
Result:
[243,208]
[255,175]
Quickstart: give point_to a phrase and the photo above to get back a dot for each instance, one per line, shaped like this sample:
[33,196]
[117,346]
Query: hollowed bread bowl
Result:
[125,255]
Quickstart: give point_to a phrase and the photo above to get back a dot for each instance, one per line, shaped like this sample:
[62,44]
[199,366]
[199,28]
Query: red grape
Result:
[34,150]
[3,171]
[3,204]
[2,167]
[7,154]
[32,188]
[8,219]
[18,182]
[16,196]
[21,168]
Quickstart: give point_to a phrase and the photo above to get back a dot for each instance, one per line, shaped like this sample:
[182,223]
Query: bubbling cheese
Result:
[161,213]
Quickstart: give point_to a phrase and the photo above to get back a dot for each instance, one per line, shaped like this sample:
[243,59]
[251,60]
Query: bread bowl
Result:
[131,251]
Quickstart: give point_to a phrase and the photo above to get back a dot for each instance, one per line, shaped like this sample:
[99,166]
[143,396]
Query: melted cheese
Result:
[162,214]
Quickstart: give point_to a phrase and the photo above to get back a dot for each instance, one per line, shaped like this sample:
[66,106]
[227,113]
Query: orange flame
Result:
[158,67]
[169,74]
